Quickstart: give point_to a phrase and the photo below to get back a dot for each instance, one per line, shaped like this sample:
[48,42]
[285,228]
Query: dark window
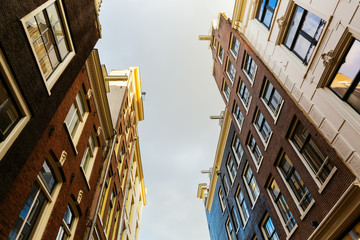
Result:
[249,67]
[226,91]
[272,98]
[269,229]
[231,71]
[254,149]
[262,126]
[303,34]
[346,82]
[244,94]
[238,115]
[266,11]
[234,48]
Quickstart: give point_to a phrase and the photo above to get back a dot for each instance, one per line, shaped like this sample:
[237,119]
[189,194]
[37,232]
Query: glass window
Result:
[238,115]
[244,94]
[237,148]
[265,11]
[249,67]
[234,46]
[235,218]
[346,82]
[221,199]
[254,149]
[230,230]
[272,98]
[66,227]
[226,91]
[262,126]
[269,229]
[226,184]
[34,202]
[295,182]
[281,205]
[244,212]
[48,38]
[9,112]
[251,184]
[315,158]
[221,53]
[231,167]
[88,156]
[75,114]
[303,34]
[230,70]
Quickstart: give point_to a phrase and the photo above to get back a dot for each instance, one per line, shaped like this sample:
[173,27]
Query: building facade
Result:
[308,186]
[120,194]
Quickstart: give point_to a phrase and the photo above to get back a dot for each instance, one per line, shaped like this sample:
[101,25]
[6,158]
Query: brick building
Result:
[307,185]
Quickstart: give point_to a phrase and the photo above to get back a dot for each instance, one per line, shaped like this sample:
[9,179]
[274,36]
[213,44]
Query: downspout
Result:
[102,187]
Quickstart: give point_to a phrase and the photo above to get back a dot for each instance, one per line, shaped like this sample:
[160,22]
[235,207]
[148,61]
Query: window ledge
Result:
[85,177]
[246,108]
[275,117]
[307,209]
[251,80]
[230,78]
[288,235]
[256,200]
[323,186]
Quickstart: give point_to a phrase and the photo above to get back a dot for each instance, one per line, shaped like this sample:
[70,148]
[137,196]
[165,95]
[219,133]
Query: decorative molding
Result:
[281,21]
[98,131]
[79,197]
[63,157]
[327,58]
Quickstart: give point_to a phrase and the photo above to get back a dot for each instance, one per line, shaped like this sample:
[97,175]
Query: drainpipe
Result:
[102,187]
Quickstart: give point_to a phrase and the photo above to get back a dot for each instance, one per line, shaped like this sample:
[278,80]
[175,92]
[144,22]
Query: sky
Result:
[177,137]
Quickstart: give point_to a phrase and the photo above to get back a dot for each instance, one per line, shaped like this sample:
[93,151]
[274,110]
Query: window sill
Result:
[86,179]
[251,80]
[244,105]
[246,222]
[235,55]
[230,78]
[323,186]
[266,144]
[307,210]
[256,200]
[275,117]
[288,235]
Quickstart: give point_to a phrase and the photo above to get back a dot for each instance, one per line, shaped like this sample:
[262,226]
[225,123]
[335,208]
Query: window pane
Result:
[54,59]
[302,47]
[52,14]
[32,28]
[294,26]
[311,23]
[86,159]
[39,48]
[272,3]
[354,98]
[63,49]
[80,103]
[46,66]
[69,216]
[48,177]
[58,32]
[41,21]
[8,112]
[268,18]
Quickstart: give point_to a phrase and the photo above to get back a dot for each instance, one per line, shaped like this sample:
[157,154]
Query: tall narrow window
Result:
[88,157]
[230,230]
[254,149]
[46,30]
[34,203]
[226,91]
[76,114]
[251,184]
[249,67]
[280,203]
[221,199]
[308,148]
[262,126]
[66,228]
[268,229]
[231,167]
[225,184]
[346,82]
[221,53]
[230,70]
[265,11]
[234,46]
[237,148]
[244,94]
[244,212]
[303,34]
[238,115]
[235,218]
[294,181]
[272,98]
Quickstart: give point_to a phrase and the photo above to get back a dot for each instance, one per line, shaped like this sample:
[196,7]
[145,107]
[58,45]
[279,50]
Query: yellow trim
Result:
[218,158]
[102,210]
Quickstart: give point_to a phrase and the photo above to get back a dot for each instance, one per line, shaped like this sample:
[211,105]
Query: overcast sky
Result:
[177,138]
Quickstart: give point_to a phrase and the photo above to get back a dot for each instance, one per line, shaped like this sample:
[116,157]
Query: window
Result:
[235,218]
[234,46]
[226,184]
[265,11]
[226,91]
[268,229]
[88,157]
[244,212]
[262,126]
[49,38]
[230,230]
[295,183]
[249,67]
[353,234]
[230,71]
[76,116]
[14,113]
[238,115]
[41,193]
[221,53]
[221,199]
[237,148]
[303,34]
[251,184]
[272,98]
[315,158]
[254,149]
[244,94]
[67,228]
[346,82]
[280,204]
[231,167]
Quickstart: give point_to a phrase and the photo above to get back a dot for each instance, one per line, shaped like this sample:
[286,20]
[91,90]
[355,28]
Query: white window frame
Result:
[228,222]
[221,199]
[20,103]
[231,77]
[235,150]
[263,223]
[242,101]
[56,73]
[93,152]
[220,57]
[275,114]
[232,167]
[251,79]
[239,204]
[248,188]
[224,91]
[234,54]
[259,161]
[70,231]
[235,108]
[265,141]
